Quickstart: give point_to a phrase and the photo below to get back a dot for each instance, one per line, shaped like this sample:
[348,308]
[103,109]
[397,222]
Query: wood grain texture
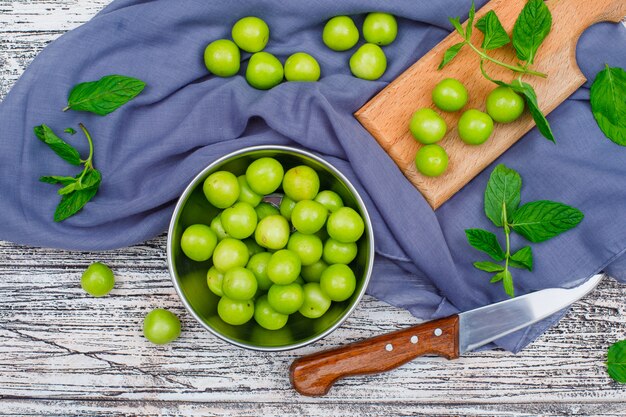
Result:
[387,115]
[65,353]
[314,374]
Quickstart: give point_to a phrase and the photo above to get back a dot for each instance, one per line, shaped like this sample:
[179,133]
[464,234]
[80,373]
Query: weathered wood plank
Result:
[37,406]
[58,342]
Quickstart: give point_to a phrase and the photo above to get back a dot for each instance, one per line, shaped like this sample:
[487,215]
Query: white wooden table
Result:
[63,352]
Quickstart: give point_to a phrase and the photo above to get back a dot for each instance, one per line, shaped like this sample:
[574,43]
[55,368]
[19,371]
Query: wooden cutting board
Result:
[387,115]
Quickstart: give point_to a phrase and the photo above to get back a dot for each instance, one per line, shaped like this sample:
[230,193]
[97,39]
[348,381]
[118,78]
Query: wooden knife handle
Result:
[315,374]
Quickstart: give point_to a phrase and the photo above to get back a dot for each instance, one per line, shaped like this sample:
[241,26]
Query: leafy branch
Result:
[530,30]
[78,190]
[536,221]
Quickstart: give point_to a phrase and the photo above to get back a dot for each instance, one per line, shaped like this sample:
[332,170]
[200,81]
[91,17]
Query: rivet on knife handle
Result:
[316,373]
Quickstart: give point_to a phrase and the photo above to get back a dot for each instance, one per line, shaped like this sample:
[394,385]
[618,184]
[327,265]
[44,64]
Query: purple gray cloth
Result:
[150,149]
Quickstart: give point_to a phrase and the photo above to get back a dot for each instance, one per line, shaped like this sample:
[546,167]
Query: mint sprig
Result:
[78,190]
[536,221]
[530,30]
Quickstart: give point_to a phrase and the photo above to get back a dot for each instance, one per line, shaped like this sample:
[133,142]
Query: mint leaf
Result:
[66,151]
[105,95]
[495,35]
[456,22]
[70,131]
[522,259]
[470,21]
[530,29]
[497,278]
[542,220]
[56,179]
[450,53]
[527,91]
[488,266]
[507,282]
[485,241]
[608,103]
[616,361]
[73,202]
[503,190]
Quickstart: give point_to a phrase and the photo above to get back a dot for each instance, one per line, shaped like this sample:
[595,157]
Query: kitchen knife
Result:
[449,337]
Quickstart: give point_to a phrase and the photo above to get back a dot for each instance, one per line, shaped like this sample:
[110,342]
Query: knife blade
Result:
[449,337]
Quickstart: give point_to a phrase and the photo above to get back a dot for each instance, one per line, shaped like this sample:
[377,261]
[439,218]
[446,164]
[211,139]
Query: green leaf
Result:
[497,278]
[105,95]
[456,22]
[56,179]
[70,131]
[503,190]
[91,179]
[527,91]
[450,53]
[522,259]
[73,202]
[485,241]
[608,103]
[495,35]
[531,28]
[543,220]
[66,151]
[616,361]
[488,266]
[507,282]
[470,21]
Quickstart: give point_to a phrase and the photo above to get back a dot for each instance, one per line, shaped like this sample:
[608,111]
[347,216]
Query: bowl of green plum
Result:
[270,248]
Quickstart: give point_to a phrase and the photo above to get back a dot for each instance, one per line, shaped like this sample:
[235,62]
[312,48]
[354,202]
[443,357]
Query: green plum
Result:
[301,183]
[221,189]
[235,312]
[272,232]
[345,225]
[222,58]
[239,284]
[329,199]
[161,326]
[286,299]
[251,34]
[380,28]
[338,282]
[267,317]
[240,220]
[308,216]
[97,280]
[315,301]
[264,175]
[230,253]
[309,248]
[302,67]
[284,267]
[431,160]
[264,71]
[427,126]
[340,33]
[368,62]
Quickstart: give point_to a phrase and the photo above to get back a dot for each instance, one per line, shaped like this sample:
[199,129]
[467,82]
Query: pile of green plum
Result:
[503,106]
[251,34]
[270,261]
[369,61]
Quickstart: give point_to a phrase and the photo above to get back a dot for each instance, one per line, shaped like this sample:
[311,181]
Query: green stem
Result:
[514,68]
[89,161]
[507,234]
